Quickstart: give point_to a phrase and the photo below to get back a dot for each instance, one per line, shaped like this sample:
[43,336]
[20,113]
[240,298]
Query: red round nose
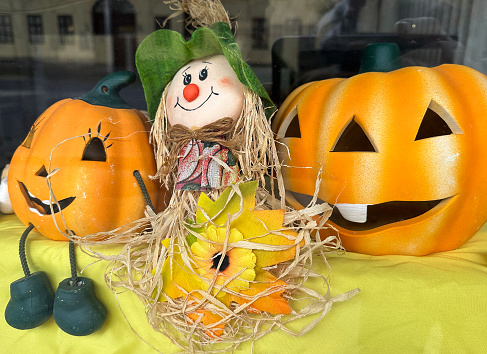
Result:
[191,92]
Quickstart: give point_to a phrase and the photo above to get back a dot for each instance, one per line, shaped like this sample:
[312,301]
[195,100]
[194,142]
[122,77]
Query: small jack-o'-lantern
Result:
[403,155]
[96,142]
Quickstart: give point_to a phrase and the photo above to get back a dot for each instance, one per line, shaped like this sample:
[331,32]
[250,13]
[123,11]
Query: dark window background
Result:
[159,22]
[54,49]
[259,33]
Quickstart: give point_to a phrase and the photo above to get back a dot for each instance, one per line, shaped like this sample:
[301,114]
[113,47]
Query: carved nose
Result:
[191,92]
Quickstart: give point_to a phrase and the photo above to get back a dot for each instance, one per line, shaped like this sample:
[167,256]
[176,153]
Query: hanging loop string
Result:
[72,262]
[146,195]
[23,257]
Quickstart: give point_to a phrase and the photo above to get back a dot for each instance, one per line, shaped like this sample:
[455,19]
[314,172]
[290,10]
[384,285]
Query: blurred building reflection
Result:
[53,49]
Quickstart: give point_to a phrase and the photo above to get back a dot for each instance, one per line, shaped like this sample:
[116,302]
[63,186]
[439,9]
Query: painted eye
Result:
[187,79]
[353,138]
[203,74]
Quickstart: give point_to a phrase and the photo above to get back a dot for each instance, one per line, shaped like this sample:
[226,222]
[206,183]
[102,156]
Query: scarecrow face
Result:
[204,91]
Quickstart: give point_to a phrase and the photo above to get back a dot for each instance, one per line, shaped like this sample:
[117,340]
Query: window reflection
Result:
[66,29]
[36,30]
[6,33]
[55,49]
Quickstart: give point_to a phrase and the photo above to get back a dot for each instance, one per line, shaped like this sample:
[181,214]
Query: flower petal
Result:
[200,249]
[243,258]
[208,318]
[175,271]
[232,206]
[272,219]
[273,303]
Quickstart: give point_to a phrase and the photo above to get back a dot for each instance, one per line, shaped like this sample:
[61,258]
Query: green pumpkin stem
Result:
[381,57]
[107,90]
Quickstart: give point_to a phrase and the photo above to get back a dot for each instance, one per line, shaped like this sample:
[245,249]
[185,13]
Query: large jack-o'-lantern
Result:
[96,143]
[403,155]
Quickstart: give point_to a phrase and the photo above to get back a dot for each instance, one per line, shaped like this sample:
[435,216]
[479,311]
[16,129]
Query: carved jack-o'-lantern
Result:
[96,143]
[403,155]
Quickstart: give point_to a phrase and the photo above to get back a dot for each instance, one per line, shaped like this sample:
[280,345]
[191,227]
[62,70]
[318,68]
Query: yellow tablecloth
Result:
[436,303]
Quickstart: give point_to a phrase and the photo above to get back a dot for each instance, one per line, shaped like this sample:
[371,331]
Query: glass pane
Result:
[55,49]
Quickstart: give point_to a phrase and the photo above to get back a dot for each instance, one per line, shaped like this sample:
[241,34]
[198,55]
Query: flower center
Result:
[216,260]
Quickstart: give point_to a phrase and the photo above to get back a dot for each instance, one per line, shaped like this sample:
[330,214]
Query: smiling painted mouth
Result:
[43,207]
[364,217]
[193,109]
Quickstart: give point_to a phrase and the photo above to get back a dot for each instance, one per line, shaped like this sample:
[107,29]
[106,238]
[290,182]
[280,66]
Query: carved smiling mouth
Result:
[364,217]
[43,207]
[193,109]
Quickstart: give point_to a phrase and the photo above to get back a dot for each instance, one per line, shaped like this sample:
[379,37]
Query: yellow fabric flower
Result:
[233,267]
[217,262]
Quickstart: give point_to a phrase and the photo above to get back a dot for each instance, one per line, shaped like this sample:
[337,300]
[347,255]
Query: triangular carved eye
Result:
[28,140]
[290,127]
[293,130]
[436,122]
[353,138]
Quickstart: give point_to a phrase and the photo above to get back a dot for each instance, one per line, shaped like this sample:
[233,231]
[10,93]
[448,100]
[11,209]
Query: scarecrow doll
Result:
[210,111]
[202,265]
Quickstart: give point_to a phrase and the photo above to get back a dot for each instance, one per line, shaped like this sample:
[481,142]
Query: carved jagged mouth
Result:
[43,207]
[363,217]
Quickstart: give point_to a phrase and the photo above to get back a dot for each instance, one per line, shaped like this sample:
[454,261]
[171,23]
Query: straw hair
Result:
[201,13]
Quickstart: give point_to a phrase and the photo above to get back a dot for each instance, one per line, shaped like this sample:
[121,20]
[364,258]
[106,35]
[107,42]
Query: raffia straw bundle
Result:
[201,13]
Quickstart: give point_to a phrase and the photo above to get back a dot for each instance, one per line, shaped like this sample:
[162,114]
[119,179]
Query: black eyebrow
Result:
[206,62]
[185,69]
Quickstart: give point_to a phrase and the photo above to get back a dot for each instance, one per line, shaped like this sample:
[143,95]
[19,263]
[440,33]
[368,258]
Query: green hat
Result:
[164,52]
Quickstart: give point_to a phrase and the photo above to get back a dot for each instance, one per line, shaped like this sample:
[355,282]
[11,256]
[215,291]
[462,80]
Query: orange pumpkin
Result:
[403,155]
[96,142]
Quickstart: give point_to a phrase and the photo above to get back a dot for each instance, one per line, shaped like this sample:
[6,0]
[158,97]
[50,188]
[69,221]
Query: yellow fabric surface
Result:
[436,303]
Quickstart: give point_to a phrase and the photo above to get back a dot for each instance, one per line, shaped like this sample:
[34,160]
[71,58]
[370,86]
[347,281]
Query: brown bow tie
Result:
[180,135]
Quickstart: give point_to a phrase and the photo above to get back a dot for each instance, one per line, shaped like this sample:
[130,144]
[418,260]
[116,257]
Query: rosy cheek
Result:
[226,82]
[170,101]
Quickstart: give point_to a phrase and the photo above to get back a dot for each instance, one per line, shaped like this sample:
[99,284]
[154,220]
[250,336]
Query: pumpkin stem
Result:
[107,90]
[381,57]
